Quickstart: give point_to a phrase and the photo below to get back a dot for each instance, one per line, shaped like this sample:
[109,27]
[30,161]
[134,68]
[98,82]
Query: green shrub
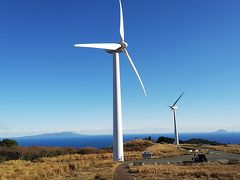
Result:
[165,140]
[8,143]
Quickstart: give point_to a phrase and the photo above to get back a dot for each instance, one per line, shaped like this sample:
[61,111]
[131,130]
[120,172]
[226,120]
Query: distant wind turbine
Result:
[174,108]
[115,49]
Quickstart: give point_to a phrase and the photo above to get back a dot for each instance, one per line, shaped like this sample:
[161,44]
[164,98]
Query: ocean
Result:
[101,141]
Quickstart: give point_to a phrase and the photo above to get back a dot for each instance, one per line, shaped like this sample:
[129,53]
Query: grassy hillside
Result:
[74,166]
[63,163]
[89,163]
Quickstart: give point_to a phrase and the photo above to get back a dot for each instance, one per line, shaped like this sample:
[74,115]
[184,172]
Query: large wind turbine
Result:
[174,108]
[115,49]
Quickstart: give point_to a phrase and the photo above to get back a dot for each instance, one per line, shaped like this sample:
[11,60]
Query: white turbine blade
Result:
[121,22]
[177,99]
[135,70]
[106,46]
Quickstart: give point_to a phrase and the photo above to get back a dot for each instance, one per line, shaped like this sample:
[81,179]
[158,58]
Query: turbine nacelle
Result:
[123,45]
[173,107]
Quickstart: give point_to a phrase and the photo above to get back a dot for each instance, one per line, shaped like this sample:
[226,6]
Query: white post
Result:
[117,111]
[175,127]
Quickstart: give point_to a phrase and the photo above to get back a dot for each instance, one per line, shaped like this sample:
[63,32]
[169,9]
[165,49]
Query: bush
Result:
[137,145]
[201,141]
[34,153]
[168,140]
[8,143]
[165,140]
[149,138]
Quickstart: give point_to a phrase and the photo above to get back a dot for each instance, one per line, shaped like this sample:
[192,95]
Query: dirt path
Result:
[121,173]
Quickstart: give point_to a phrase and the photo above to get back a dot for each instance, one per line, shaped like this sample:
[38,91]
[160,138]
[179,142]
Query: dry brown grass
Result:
[73,166]
[33,153]
[165,150]
[133,149]
[132,155]
[232,148]
[100,165]
[137,145]
[159,150]
[194,171]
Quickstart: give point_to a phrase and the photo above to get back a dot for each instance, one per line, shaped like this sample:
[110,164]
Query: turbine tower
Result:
[115,49]
[174,108]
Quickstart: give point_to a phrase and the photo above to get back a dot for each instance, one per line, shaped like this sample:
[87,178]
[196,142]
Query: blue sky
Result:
[47,85]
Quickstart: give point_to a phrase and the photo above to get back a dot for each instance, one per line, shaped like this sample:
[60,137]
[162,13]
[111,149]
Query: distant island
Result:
[58,139]
[75,135]
[54,135]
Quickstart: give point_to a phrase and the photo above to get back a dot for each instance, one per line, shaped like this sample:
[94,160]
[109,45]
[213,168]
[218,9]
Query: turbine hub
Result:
[124,44]
[174,107]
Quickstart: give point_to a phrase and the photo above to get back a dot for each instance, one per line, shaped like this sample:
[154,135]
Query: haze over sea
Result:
[101,141]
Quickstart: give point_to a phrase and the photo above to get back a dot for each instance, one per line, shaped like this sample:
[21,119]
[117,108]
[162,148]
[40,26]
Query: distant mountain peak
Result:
[221,131]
